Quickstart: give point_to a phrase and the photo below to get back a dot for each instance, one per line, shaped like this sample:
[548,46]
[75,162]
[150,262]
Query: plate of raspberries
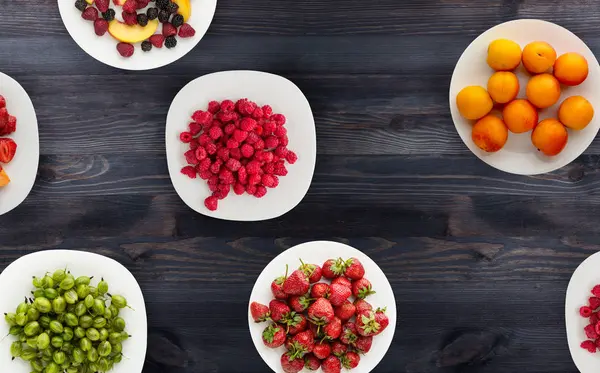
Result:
[137,34]
[241,145]
[322,306]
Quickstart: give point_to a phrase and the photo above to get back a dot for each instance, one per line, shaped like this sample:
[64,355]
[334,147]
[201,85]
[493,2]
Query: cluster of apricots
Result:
[547,73]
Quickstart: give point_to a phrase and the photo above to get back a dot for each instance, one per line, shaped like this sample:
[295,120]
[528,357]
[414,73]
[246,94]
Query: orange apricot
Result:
[520,116]
[474,102]
[550,137]
[543,90]
[4,179]
[504,55]
[571,69]
[538,57]
[490,133]
[576,112]
[503,86]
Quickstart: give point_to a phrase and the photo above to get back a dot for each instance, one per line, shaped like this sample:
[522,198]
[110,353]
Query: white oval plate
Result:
[104,48]
[15,282]
[23,168]
[585,277]
[519,156]
[317,252]
[264,89]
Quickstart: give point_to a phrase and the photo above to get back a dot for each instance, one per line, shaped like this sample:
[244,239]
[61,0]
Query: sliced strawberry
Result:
[8,148]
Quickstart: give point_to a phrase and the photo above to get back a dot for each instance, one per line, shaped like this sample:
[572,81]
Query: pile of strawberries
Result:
[237,145]
[592,330]
[8,148]
[317,322]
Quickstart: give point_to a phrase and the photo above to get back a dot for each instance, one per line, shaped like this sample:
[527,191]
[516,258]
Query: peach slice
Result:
[4,179]
[89,1]
[132,34]
[185,8]
[118,2]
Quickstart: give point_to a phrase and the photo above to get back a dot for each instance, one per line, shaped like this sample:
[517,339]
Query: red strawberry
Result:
[350,360]
[333,329]
[259,312]
[130,6]
[100,26]
[312,271]
[288,343]
[382,318]
[339,294]
[125,49]
[90,14]
[370,323]
[319,290]
[349,334]
[186,31]
[299,302]
[277,286]
[345,311]
[354,270]
[8,126]
[362,305]
[333,268]
[303,342]
[311,362]
[296,324]
[331,365]
[168,30]
[322,350]
[273,336]
[320,312]
[338,348]
[594,303]
[102,5]
[3,121]
[296,284]
[279,310]
[363,344]
[315,330]
[342,281]
[362,288]
[8,148]
[157,40]
[291,364]
[2,101]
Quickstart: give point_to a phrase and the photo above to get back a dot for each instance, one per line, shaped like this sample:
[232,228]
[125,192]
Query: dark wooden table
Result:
[479,259]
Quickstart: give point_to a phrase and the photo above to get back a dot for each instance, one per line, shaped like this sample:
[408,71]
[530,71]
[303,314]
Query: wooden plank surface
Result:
[479,260]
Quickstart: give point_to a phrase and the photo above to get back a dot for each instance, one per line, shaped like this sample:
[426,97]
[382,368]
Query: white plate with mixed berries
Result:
[19,144]
[333,310]
[137,34]
[241,145]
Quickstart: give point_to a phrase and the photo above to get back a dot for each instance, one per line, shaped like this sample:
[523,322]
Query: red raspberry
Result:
[194,144]
[224,190]
[596,329]
[215,132]
[125,49]
[233,164]
[189,171]
[214,107]
[213,180]
[253,168]
[204,139]
[283,140]
[202,117]
[231,144]
[594,318]
[242,175]
[249,108]
[248,124]
[100,26]
[269,168]
[280,170]
[259,145]
[216,167]
[102,5]
[269,127]
[279,119]
[261,191]
[247,151]
[269,181]
[281,151]
[235,153]
[267,111]
[185,137]
[251,189]
[240,135]
[90,14]
[229,128]
[239,189]
[239,103]
[204,175]
[585,311]
[225,116]
[141,4]
[590,331]
[257,113]
[594,303]
[227,105]
[168,30]
[211,149]
[291,157]
[190,157]
[252,138]
[129,18]
[213,187]
[266,157]
[596,291]
[223,154]
[200,154]
[254,179]
[195,128]
[204,165]
[211,203]
[589,345]
[186,31]
[259,130]
[280,131]
[157,40]
[130,6]
[271,142]
[226,177]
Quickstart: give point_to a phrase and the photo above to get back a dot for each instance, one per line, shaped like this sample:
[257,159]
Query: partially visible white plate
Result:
[264,89]
[585,277]
[317,252]
[519,156]
[103,48]
[23,168]
[15,282]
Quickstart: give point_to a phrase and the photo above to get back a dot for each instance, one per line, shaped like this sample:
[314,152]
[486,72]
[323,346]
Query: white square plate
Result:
[23,168]
[264,89]
[317,252]
[519,156]
[15,282]
[104,48]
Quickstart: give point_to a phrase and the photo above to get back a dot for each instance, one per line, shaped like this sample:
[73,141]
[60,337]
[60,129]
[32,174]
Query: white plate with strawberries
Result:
[19,144]
[126,34]
[333,310]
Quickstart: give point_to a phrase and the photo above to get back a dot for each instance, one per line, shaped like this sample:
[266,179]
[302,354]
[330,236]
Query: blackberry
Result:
[109,15]
[170,42]
[163,16]
[142,20]
[146,46]
[81,5]
[173,8]
[152,13]
[162,4]
[177,20]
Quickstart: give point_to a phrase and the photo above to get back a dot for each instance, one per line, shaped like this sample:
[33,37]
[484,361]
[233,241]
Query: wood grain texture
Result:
[479,260]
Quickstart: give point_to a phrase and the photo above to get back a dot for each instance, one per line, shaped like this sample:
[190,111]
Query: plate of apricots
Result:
[523,95]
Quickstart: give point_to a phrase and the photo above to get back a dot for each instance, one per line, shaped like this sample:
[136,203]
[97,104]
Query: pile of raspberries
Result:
[592,330]
[164,10]
[321,324]
[237,145]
